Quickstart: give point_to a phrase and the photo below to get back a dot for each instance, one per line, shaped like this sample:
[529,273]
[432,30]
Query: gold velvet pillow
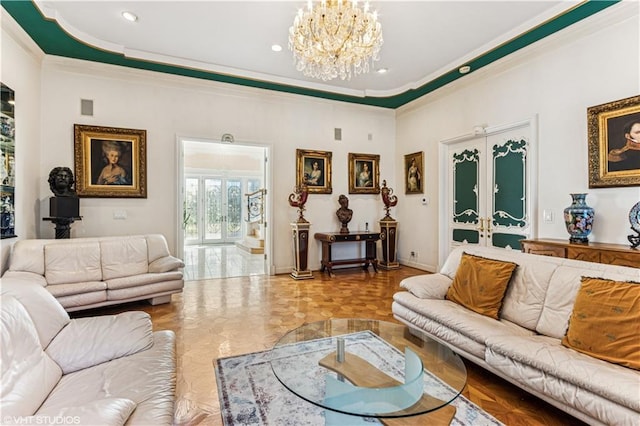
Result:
[605,322]
[480,284]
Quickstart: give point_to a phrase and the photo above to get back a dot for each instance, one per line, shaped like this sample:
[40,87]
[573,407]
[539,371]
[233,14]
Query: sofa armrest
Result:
[85,342]
[430,286]
[165,264]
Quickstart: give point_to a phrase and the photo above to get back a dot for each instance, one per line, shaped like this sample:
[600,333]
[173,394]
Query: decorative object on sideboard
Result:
[388,199]
[614,143]
[634,219]
[110,162]
[578,218]
[64,206]
[344,213]
[298,199]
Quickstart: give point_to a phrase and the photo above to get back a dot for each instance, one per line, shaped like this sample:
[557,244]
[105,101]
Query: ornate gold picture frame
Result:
[614,143]
[364,174]
[413,167]
[313,168]
[110,162]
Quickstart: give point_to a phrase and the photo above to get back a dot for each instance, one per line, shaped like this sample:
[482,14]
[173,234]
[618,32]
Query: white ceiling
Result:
[422,39]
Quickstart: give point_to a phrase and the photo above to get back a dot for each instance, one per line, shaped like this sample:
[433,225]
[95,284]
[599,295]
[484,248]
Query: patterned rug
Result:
[250,394]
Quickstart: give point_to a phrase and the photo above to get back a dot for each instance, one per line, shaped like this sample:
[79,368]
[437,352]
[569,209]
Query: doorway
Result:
[220,234]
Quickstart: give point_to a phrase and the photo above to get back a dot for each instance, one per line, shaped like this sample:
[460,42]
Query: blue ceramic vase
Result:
[578,218]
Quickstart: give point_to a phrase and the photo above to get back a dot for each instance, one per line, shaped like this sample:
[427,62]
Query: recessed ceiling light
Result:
[276,48]
[382,70]
[465,69]
[129,16]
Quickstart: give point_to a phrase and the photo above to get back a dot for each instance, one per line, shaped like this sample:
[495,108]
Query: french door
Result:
[212,210]
[490,193]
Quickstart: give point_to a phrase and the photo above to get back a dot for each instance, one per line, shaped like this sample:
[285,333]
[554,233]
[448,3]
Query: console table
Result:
[611,254]
[329,238]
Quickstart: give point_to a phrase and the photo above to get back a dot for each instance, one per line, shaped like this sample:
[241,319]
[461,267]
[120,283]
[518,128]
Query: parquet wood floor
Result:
[223,317]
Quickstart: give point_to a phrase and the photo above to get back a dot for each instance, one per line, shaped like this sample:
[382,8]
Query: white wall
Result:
[20,70]
[593,62]
[169,106]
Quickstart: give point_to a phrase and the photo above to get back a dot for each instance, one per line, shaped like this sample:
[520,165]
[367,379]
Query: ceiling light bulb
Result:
[382,70]
[129,16]
[465,69]
[276,48]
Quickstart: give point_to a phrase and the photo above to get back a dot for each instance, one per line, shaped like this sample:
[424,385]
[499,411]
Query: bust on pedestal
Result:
[64,206]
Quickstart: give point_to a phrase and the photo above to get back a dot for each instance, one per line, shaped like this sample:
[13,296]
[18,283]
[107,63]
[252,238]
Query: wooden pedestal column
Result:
[300,231]
[389,237]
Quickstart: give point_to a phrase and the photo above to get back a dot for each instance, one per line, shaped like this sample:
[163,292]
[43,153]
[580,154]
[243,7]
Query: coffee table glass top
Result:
[357,367]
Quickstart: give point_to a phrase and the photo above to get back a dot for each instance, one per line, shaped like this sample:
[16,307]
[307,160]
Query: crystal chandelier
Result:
[335,38]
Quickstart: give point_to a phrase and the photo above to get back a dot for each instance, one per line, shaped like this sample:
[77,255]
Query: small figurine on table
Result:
[344,213]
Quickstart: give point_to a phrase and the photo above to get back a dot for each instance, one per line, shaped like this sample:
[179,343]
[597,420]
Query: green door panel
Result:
[466,235]
[465,186]
[509,184]
[507,240]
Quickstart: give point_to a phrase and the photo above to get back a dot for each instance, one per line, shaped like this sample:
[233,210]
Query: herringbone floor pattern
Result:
[224,317]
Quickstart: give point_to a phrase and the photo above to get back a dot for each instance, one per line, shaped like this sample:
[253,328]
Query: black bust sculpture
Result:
[64,207]
[61,182]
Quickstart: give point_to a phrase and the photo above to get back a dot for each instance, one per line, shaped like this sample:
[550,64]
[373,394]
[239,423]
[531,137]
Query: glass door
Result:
[212,210]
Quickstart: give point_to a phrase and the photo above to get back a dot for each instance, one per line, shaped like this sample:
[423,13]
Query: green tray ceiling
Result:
[53,40]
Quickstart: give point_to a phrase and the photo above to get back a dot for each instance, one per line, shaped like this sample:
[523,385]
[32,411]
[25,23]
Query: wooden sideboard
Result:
[611,254]
[329,238]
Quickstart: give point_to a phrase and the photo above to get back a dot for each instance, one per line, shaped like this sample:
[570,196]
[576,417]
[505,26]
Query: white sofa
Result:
[84,273]
[108,370]
[524,345]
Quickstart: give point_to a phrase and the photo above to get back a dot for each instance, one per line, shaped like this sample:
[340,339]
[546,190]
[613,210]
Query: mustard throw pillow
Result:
[605,322]
[480,284]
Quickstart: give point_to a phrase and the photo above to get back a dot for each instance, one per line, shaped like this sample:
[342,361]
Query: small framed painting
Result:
[614,143]
[313,169]
[364,174]
[110,162]
[413,165]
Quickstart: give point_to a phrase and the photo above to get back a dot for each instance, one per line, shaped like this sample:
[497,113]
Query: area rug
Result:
[250,394]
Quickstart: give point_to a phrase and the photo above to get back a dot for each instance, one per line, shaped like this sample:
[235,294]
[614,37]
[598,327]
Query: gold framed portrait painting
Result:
[364,174]
[313,169]
[413,166]
[110,162]
[614,143]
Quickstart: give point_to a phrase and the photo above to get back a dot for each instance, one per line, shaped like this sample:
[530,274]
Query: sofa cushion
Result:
[76,301]
[551,359]
[28,373]
[72,263]
[86,342]
[563,288]
[45,311]
[156,247]
[605,322]
[452,322]
[124,257]
[480,284]
[142,280]
[428,286]
[152,290]
[103,412]
[146,378]
[165,264]
[28,256]
[60,290]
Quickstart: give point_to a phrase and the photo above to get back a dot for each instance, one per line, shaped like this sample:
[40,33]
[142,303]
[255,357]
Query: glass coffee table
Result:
[370,368]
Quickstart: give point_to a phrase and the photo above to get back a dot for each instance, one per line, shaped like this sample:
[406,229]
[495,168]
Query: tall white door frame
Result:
[268,180]
[445,178]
